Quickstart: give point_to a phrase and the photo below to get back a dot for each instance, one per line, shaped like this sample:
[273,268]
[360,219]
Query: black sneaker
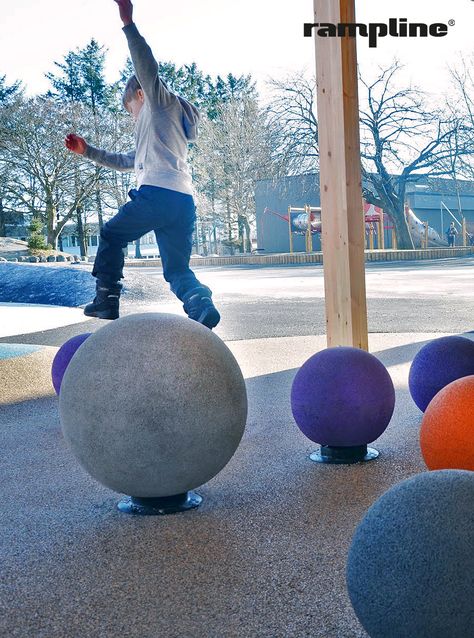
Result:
[105,304]
[199,307]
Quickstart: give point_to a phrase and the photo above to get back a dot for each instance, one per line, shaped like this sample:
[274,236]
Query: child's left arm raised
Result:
[146,67]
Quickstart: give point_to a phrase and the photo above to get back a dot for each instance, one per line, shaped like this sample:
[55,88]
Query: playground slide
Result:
[417,229]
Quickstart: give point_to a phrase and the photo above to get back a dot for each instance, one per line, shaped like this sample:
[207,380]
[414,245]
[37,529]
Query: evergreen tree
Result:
[81,77]
[67,84]
[190,82]
[9,92]
[11,96]
[97,92]
[225,90]
[82,81]
[35,234]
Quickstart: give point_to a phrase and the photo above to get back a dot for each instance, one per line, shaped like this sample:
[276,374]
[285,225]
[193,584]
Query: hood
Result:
[190,118]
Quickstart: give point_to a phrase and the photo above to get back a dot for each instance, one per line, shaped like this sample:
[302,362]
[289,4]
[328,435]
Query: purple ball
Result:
[64,356]
[437,364]
[342,397]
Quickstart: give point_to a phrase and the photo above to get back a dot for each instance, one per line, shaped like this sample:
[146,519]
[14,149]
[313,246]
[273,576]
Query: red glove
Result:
[75,143]
[126,10]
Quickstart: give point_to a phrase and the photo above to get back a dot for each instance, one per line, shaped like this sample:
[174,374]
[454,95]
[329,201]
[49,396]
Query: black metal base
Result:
[159,506]
[344,455]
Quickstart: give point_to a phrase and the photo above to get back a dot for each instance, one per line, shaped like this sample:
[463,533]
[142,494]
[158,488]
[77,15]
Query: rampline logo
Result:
[396,27]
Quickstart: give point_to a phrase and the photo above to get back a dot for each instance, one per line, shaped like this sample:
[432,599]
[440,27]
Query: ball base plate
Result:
[159,506]
[344,455]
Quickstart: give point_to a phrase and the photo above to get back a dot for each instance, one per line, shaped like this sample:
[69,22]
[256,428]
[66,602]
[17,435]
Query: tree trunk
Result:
[138,254]
[50,220]
[80,232]
[213,233]
[3,228]
[98,202]
[240,226]
[248,244]
[216,251]
[393,205]
[402,231]
[196,236]
[229,225]
[205,250]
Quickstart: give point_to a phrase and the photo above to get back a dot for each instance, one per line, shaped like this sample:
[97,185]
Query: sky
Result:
[261,37]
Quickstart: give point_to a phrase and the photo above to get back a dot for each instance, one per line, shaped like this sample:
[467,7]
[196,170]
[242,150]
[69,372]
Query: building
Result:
[436,201]
[69,242]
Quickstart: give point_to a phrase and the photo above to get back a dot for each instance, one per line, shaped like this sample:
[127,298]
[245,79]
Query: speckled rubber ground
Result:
[25,372]
[264,556]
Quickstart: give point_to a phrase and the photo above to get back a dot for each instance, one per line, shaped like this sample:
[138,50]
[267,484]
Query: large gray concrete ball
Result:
[410,570]
[153,405]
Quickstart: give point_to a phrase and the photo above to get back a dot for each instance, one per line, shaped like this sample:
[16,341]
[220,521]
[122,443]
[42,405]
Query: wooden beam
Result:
[290,230]
[343,227]
[382,231]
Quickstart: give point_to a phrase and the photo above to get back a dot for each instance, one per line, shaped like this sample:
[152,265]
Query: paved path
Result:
[263,302]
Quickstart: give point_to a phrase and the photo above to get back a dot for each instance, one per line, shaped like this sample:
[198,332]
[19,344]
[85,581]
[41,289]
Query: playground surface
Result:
[264,556]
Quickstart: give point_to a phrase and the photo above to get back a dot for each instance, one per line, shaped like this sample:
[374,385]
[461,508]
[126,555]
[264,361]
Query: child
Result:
[163,203]
[451,234]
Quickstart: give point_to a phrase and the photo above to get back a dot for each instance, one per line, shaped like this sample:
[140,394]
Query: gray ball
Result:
[153,405]
[410,570]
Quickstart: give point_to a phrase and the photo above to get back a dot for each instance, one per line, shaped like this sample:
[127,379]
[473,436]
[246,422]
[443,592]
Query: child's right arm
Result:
[117,161]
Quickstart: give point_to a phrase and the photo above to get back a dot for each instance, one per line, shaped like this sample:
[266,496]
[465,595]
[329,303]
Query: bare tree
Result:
[116,133]
[460,101]
[11,99]
[291,117]
[233,151]
[403,139]
[41,173]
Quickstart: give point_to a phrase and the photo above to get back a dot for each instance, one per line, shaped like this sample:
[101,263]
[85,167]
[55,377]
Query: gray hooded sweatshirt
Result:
[165,126]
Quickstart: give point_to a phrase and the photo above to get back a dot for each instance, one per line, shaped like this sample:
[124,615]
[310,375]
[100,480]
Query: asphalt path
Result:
[279,301]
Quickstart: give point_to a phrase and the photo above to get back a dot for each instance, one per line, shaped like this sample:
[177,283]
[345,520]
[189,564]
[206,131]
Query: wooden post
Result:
[464,232]
[394,239]
[340,179]
[308,230]
[426,235]
[381,243]
[289,229]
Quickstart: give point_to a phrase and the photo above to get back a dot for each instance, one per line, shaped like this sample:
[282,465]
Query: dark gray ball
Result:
[153,405]
[410,570]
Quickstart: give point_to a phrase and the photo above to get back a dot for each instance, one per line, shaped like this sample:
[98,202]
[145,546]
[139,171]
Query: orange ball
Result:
[447,428]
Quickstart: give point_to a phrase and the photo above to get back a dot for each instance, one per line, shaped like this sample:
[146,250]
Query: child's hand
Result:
[126,10]
[75,143]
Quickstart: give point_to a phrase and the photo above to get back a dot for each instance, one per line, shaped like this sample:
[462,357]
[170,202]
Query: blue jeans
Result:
[171,215]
